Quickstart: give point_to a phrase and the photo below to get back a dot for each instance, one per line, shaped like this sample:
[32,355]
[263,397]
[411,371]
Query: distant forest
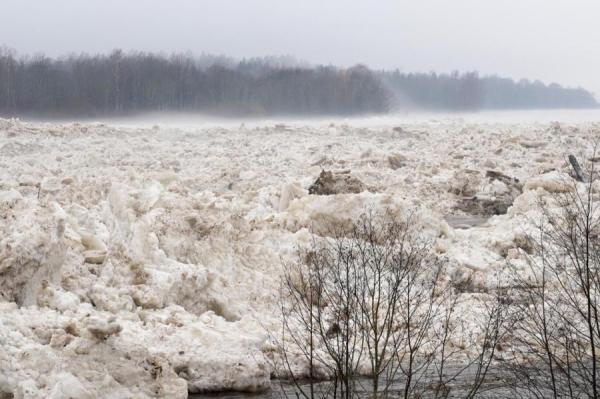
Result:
[124,83]
[469,91]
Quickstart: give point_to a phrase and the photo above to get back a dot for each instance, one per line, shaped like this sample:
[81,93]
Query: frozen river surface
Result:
[142,261]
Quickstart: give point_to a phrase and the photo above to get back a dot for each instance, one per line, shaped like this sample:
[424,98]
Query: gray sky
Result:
[552,40]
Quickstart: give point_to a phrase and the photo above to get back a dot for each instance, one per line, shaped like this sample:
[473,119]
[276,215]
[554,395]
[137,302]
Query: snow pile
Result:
[145,262]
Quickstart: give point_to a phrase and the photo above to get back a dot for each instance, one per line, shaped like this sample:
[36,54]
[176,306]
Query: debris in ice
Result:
[397,161]
[338,182]
[497,194]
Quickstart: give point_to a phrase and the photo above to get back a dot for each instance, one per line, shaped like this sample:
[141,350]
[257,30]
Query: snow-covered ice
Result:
[144,262]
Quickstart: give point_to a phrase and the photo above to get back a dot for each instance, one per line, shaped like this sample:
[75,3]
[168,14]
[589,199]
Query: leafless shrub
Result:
[556,335]
[374,300]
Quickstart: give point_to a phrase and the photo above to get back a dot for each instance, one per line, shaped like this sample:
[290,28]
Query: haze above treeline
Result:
[136,82]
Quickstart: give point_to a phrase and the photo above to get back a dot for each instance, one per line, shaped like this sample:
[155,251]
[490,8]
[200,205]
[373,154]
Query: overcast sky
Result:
[551,40]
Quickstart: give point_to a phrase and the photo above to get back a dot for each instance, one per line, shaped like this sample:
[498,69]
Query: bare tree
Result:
[398,297]
[555,351]
[374,296]
[319,314]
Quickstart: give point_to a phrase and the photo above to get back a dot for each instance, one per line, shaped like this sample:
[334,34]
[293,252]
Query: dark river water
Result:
[493,388]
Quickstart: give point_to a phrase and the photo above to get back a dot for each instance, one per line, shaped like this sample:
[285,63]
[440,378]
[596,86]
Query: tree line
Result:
[122,83]
[469,91]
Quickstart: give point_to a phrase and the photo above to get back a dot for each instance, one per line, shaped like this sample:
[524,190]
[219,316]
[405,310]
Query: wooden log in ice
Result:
[579,175]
